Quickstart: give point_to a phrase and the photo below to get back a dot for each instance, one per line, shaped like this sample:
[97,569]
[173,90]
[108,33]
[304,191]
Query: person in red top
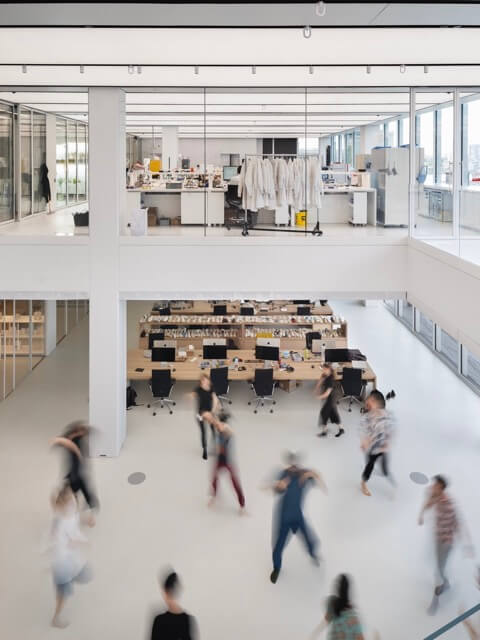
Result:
[447,526]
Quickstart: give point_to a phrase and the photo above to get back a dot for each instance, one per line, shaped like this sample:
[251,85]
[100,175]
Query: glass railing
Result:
[464,618]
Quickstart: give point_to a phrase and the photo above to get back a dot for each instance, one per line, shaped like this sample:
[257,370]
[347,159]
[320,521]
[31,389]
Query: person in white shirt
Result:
[68,562]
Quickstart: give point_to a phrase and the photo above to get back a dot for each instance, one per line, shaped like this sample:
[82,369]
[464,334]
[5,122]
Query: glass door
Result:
[6,163]
[25,123]
[39,161]
[61,163]
[71,163]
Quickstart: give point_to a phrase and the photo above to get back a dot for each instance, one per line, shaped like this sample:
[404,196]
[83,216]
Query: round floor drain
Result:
[136,478]
[418,478]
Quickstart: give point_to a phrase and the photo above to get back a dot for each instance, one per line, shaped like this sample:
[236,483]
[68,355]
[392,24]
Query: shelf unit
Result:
[15,335]
[189,329]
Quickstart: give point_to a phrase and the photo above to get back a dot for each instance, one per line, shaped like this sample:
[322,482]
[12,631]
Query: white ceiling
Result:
[238,112]
[278,14]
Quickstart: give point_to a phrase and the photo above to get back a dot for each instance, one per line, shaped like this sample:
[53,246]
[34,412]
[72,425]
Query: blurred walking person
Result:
[174,623]
[66,541]
[74,442]
[447,528]
[291,485]
[326,391]
[225,459]
[376,436]
[341,618]
[207,405]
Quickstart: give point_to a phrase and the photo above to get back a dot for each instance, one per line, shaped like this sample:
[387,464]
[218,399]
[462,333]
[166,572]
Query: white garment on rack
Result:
[268,183]
[281,178]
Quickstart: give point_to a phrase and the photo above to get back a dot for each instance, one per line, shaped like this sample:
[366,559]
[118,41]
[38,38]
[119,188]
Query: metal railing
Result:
[453,623]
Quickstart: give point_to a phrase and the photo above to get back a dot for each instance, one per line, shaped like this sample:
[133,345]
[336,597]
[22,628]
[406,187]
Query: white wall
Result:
[193,148]
[447,290]
[135,310]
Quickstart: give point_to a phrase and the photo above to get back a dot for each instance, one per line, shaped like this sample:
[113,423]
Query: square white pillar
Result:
[50,326]
[107,381]
[169,148]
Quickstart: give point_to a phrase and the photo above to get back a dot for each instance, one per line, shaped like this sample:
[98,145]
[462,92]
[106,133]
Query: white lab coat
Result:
[281,177]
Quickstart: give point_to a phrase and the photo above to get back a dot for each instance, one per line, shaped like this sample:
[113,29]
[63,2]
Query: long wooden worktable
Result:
[204,307]
[140,368]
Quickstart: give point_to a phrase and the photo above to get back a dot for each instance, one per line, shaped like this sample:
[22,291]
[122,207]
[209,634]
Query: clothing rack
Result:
[316,231]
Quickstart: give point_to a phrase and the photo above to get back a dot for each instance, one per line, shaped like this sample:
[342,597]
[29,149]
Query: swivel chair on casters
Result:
[263,387]
[219,378]
[161,386]
[352,385]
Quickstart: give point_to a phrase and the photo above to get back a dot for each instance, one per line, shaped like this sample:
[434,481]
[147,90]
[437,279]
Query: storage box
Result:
[288,385]
[163,222]
[175,221]
[152,216]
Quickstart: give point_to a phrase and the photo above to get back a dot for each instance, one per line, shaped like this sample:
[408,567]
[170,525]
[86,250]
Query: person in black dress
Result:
[207,405]
[74,441]
[325,390]
[174,623]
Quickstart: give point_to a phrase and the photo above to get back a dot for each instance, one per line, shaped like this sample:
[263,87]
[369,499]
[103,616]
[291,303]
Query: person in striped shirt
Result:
[447,527]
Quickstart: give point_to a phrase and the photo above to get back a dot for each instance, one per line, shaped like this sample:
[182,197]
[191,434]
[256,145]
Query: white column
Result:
[50,326]
[169,148]
[107,316]
[52,157]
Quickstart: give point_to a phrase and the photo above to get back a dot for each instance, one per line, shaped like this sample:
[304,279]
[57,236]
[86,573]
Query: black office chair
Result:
[161,386]
[352,385]
[219,378]
[263,386]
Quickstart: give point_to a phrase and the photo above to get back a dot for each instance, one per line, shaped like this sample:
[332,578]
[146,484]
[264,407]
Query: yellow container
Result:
[301,219]
[155,165]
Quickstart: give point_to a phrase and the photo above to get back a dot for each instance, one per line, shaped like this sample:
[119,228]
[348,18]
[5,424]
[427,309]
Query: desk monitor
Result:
[337,355]
[301,302]
[212,342]
[303,311]
[229,172]
[268,342]
[219,309]
[164,311]
[214,352]
[267,353]
[163,354]
[155,337]
[247,311]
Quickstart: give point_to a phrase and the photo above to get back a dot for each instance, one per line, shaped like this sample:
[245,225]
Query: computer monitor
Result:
[267,353]
[164,311]
[163,354]
[219,309]
[229,172]
[337,355]
[303,311]
[247,311]
[214,351]
[302,302]
[153,337]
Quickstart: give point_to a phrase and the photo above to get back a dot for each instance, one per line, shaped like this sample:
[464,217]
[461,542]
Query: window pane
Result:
[471,143]
[425,139]
[404,131]
[81,163]
[447,346]
[25,120]
[308,146]
[406,312]
[61,157]
[391,133]
[349,149]
[424,328]
[471,367]
[71,162]
[445,145]
[39,161]
[6,163]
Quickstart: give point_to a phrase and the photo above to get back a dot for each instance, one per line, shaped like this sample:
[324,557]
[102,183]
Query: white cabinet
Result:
[199,206]
[358,205]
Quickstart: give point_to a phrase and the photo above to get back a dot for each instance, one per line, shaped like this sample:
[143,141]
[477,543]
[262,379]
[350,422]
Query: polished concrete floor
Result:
[224,559]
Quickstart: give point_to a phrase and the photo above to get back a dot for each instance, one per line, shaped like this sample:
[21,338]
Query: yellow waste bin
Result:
[301,218]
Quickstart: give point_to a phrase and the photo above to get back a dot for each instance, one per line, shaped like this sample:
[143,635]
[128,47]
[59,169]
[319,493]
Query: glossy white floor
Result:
[224,559]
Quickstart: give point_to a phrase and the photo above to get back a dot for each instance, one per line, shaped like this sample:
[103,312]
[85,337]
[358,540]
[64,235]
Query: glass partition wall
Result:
[71,162]
[7,203]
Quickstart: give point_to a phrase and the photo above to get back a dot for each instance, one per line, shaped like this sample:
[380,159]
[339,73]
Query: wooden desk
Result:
[188,370]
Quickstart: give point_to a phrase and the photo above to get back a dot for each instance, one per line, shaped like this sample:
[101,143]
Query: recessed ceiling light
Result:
[139,69]
[369,69]
[310,69]
[131,68]
[24,68]
[403,68]
[425,69]
[307,31]
[197,70]
[82,69]
[254,69]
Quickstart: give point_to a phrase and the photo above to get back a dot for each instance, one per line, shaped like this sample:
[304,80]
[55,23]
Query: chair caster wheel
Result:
[244,233]
[271,410]
[249,403]
[174,404]
[229,402]
[254,411]
[154,413]
[171,413]
[148,406]
[274,402]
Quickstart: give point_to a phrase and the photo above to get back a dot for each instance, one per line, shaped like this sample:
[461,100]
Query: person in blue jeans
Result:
[291,485]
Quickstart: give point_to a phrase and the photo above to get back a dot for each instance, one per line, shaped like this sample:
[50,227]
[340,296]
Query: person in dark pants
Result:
[325,390]
[291,485]
[207,405]
[75,443]
[376,437]
[174,623]
[225,459]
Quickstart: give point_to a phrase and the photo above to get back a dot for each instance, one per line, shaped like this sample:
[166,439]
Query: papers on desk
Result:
[359,364]
[147,354]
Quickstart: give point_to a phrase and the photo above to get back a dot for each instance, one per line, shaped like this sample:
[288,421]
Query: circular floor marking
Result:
[136,478]
[418,478]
